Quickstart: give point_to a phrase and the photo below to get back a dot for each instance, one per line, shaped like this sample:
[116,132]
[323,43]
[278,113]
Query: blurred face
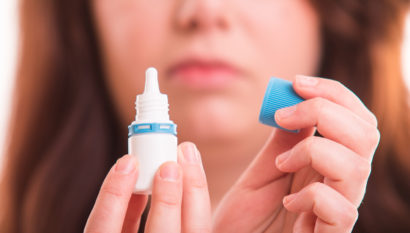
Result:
[214,58]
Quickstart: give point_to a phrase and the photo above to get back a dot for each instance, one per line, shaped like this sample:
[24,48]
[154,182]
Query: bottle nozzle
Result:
[151,81]
[151,106]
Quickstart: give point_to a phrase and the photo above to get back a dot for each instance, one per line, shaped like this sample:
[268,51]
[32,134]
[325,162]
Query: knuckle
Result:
[373,137]
[309,145]
[350,216]
[195,178]
[336,83]
[376,137]
[373,119]
[309,142]
[338,88]
[363,169]
[201,229]
[313,189]
[113,191]
[198,183]
[318,104]
[169,200]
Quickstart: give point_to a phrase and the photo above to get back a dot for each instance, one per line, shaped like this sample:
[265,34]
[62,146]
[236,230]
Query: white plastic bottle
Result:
[152,136]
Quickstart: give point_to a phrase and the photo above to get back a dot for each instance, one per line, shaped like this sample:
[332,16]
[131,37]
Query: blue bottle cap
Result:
[279,94]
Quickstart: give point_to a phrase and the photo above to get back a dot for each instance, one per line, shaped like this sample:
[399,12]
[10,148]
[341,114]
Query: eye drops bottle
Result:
[152,136]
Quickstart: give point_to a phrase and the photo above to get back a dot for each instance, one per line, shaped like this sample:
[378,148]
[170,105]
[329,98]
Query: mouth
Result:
[200,73]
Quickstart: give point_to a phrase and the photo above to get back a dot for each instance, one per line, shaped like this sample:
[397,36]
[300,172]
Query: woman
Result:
[82,63]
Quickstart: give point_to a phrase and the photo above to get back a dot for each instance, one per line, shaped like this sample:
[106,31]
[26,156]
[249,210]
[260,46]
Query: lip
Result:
[202,73]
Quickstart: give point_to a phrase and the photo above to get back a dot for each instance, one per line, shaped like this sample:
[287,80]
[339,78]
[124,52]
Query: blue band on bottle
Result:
[279,94]
[169,128]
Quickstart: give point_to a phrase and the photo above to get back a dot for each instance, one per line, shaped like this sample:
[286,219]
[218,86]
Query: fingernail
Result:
[169,172]
[286,112]
[289,198]
[190,153]
[126,164]
[306,81]
[282,158]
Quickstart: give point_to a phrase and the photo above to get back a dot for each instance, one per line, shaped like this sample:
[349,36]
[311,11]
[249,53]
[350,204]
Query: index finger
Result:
[311,87]
[112,201]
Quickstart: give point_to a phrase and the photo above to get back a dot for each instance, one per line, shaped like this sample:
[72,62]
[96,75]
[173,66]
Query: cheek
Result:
[127,26]
[132,38]
[288,35]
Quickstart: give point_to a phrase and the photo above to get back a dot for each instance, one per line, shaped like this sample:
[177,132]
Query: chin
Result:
[213,127]
[214,119]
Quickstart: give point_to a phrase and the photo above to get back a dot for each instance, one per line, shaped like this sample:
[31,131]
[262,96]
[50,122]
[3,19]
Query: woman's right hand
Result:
[180,199]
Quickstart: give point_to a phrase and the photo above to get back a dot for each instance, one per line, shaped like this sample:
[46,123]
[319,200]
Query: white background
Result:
[8,48]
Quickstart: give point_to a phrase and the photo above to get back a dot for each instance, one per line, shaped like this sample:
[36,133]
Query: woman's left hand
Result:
[320,181]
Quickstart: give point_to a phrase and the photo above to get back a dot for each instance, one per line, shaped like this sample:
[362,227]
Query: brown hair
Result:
[65,134]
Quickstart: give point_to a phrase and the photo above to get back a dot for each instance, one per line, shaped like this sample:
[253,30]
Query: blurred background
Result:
[8,49]
[8,56]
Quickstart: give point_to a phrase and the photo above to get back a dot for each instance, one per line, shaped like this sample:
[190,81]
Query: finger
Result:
[311,87]
[112,201]
[132,219]
[344,170]
[165,212]
[305,223]
[335,213]
[262,171]
[333,121]
[196,205]
[260,184]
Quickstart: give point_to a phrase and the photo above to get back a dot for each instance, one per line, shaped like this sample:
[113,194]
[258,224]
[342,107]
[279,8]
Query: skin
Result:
[279,183]
[137,34]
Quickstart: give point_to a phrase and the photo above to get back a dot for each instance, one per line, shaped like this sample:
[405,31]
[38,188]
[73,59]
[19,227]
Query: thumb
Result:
[263,170]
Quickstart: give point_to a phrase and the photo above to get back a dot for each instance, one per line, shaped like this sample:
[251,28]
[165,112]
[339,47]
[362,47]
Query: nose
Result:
[201,15]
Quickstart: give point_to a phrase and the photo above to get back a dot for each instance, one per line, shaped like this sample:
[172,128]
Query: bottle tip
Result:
[151,81]
[151,71]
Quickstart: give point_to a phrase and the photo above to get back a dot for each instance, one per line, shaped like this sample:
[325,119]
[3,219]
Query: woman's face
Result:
[214,58]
